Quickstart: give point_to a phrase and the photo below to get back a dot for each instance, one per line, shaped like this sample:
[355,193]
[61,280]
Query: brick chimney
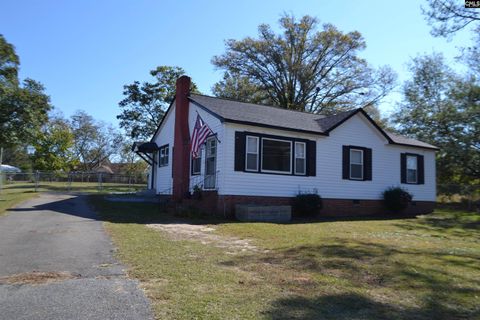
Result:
[181,140]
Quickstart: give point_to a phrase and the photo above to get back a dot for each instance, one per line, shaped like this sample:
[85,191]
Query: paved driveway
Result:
[56,262]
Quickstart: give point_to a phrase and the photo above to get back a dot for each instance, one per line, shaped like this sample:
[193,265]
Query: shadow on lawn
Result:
[117,212]
[356,306]
[389,273]
[447,222]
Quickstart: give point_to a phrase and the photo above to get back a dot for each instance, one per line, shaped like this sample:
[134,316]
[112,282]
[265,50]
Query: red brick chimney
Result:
[181,140]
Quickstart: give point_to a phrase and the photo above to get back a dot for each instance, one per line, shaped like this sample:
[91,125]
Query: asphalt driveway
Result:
[56,262]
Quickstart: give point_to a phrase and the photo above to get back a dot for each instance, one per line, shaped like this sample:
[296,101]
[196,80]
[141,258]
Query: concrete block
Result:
[263,213]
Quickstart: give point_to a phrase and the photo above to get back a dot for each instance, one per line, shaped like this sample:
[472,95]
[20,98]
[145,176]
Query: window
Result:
[196,165]
[270,154]
[300,159]
[251,158]
[210,163]
[163,156]
[356,164]
[412,169]
[276,155]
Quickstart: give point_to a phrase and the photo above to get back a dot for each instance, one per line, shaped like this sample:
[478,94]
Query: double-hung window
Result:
[163,156]
[300,159]
[356,164]
[412,169]
[196,165]
[251,159]
[276,156]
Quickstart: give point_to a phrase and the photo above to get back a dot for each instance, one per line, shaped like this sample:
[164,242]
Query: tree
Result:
[23,111]
[9,63]
[145,103]
[23,108]
[94,141]
[449,16]
[241,88]
[18,156]
[302,69]
[54,147]
[443,108]
[132,162]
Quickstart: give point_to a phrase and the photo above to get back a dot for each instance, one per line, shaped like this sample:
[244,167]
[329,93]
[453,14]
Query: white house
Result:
[266,155]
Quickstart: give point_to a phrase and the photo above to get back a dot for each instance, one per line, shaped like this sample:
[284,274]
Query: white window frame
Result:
[350,164]
[416,169]
[199,158]
[163,155]
[276,171]
[257,153]
[304,158]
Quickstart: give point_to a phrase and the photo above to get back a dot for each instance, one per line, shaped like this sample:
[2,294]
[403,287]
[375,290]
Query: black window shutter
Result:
[421,170]
[367,174]
[311,158]
[403,168]
[239,151]
[346,162]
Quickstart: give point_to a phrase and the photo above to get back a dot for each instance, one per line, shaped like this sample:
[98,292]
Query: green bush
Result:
[396,199]
[307,204]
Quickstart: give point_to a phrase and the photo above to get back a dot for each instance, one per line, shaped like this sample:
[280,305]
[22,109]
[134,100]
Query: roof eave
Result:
[257,124]
[415,146]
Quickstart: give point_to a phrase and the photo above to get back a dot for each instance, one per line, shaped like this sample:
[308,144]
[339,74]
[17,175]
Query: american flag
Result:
[200,132]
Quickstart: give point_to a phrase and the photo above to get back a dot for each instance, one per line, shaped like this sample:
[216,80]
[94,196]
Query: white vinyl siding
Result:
[163,173]
[328,181]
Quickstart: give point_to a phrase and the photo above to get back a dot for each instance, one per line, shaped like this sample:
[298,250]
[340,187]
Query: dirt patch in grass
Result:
[205,235]
[35,278]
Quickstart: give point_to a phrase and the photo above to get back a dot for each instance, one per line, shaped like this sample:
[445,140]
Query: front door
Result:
[210,163]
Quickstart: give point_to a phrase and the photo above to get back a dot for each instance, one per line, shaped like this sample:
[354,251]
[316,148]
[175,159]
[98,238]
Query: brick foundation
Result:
[224,205]
[331,207]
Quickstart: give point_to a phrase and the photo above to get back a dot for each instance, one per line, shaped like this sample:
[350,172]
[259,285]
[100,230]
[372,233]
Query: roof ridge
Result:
[261,105]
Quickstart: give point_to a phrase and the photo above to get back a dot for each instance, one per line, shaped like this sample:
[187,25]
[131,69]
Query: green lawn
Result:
[423,268]
[87,187]
[13,193]
[12,196]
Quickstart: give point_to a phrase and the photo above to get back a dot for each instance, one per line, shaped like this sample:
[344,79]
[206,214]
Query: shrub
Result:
[396,199]
[307,204]
[197,192]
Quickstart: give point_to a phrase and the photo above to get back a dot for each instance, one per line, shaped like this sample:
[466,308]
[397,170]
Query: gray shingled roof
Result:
[249,113]
[408,141]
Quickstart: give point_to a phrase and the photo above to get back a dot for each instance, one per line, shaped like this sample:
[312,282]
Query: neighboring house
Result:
[266,155]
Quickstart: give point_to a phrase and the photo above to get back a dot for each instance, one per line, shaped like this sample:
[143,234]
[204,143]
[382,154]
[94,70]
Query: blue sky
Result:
[85,51]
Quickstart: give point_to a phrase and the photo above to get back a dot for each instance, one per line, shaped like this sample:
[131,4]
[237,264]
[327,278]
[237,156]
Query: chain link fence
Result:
[73,181]
[465,196]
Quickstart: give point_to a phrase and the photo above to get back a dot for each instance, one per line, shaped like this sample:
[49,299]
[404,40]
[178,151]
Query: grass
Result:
[9,197]
[87,187]
[13,193]
[422,268]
